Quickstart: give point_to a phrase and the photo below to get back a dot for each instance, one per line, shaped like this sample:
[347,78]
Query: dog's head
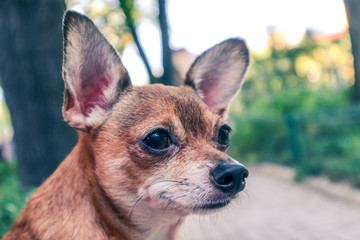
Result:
[155,147]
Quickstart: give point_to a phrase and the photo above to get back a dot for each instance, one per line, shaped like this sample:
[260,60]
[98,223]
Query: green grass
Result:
[12,197]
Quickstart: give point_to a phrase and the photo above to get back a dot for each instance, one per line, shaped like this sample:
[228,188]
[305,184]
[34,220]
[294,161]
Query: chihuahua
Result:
[146,156]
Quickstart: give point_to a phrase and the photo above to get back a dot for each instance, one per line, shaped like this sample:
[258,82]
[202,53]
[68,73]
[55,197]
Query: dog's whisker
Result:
[246,194]
[172,186]
[173,201]
[152,184]
[140,196]
[132,209]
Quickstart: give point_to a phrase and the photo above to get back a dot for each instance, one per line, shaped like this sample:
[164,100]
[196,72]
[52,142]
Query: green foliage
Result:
[128,8]
[309,85]
[327,133]
[331,144]
[12,197]
[262,133]
[310,65]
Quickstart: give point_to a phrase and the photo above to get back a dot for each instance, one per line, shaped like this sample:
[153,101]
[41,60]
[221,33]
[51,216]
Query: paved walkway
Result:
[275,208]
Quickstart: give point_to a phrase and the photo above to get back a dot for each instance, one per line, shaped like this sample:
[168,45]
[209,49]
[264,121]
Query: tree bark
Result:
[30,68]
[127,7]
[353,16]
[142,54]
[168,76]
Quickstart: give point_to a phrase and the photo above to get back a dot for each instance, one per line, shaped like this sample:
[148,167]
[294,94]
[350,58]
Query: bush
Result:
[12,197]
[315,131]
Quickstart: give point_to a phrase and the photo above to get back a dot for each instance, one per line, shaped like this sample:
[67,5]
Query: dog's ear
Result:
[93,73]
[218,73]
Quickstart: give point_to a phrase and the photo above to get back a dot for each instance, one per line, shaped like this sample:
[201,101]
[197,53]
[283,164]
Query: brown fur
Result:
[111,186]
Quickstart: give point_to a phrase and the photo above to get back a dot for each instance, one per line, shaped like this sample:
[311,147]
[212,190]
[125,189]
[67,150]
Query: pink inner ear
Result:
[209,97]
[94,81]
[212,94]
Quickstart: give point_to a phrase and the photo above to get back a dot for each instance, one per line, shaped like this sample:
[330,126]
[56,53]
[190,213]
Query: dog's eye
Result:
[157,141]
[223,136]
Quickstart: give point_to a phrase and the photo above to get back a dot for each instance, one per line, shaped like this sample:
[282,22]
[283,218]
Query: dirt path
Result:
[275,208]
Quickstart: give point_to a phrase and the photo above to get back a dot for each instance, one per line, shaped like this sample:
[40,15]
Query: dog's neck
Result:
[123,223]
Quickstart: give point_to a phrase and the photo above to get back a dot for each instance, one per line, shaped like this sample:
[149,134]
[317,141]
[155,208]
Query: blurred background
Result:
[296,118]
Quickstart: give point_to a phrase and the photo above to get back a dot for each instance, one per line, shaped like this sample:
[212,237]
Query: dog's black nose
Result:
[229,178]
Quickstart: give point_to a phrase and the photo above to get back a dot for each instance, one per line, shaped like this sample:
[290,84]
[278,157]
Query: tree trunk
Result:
[30,68]
[168,76]
[353,16]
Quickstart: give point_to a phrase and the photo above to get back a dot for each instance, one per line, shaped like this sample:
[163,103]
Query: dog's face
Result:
[155,147]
